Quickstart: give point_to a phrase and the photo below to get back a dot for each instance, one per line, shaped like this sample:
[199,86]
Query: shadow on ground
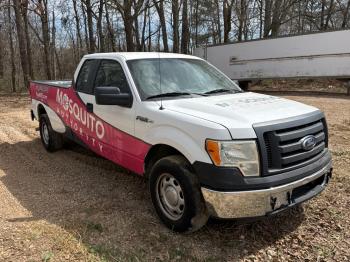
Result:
[111,211]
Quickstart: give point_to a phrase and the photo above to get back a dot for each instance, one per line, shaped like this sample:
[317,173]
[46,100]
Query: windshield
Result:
[181,76]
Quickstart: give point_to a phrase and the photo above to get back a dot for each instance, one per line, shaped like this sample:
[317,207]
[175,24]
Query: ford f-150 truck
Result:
[206,147]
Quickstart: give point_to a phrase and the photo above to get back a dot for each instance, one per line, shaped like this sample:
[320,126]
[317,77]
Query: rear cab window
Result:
[84,83]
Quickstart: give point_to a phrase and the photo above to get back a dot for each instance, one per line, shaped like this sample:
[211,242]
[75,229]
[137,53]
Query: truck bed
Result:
[59,84]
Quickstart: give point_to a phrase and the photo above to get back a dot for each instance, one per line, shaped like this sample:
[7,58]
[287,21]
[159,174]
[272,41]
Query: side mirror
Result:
[112,96]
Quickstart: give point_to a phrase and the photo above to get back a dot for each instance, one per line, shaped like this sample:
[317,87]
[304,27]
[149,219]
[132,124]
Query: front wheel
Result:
[176,195]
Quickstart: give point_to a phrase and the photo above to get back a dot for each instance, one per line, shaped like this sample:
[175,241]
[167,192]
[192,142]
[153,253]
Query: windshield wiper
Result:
[217,91]
[172,94]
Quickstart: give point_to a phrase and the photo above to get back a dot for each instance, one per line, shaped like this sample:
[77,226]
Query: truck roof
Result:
[139,55]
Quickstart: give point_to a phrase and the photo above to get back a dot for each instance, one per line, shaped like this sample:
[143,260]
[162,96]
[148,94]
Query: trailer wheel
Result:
[176,195]
[51,140]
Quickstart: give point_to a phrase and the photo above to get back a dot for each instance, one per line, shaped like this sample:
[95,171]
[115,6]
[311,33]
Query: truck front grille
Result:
[281,144]
[285,147]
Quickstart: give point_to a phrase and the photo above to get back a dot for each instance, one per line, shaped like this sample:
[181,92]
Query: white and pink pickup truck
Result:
[206,147]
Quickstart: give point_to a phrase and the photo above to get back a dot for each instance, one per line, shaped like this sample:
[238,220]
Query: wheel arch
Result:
[158,151]
[56,122]
[41,110]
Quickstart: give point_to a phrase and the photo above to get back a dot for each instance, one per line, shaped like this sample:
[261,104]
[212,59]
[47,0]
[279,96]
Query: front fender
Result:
[192,149]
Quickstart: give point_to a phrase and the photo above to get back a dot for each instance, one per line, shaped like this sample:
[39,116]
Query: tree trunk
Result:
[77,28]
[218,20]
[346,14]
[60,73]
[89,14]
[149,31]
[241,20]
[43,13]
[137,33]
[21,42]
[53,46]
[143,34]
[85,28]
[185,28]
[268,17]
[99,27]
[276,18]
[24,11]
[196,23]
[261,9]
[323,7]
[110,31]
[227,13]
[1,56]
[329,14]
[175,16]
[128,20]
[160,11]
[12,50]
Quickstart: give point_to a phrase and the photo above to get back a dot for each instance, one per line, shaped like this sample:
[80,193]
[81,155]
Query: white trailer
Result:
[304,56]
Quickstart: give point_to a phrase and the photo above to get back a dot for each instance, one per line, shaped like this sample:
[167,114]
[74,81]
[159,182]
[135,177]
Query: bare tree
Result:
[345,15]
[89,15]
[77,28]
[227,13]
[21,41]
[160,10]
[110,30]
[101,36]
[185,28]
[129,10]
[175,25]
[12,50]
[41,9]
[1,53]
[24,12]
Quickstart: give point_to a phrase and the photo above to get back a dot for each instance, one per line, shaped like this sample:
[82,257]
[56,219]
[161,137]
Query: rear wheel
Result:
[176,195]
[51,140]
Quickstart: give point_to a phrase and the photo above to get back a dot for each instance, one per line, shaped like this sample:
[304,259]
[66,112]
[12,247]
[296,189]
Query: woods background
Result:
[45,39]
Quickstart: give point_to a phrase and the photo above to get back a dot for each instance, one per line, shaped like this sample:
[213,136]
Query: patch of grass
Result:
[340,153]
[89,210]
[163,237]
[108,254]
[179,254]
[34,235]
[46,257]
[94,226]
[100,250]
[324,252]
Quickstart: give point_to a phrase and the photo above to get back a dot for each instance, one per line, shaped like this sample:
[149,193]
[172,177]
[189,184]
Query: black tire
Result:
[51,140]
[194,214]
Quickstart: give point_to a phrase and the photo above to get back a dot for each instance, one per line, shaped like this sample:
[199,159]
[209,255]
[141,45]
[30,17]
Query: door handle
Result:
[90,107]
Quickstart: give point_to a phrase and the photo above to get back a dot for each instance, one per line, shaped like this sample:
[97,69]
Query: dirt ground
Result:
[74,206]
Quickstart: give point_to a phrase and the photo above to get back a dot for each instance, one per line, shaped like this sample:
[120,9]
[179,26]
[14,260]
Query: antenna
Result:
[160,83]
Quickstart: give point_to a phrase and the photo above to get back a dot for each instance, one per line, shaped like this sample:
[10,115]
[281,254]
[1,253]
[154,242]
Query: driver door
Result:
[109,73]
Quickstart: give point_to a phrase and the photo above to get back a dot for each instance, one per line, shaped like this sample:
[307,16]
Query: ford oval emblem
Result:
[308,143]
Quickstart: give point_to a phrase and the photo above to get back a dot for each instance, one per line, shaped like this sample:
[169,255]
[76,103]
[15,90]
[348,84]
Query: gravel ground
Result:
[74,206]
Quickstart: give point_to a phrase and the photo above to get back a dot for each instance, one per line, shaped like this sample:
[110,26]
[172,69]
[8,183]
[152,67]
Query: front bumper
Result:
[256,203]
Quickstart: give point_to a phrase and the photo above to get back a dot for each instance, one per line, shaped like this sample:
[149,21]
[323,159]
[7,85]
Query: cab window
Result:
[84,82]
[111,74]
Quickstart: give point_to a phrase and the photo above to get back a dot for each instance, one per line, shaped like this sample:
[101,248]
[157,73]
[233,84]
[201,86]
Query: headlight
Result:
[240,154]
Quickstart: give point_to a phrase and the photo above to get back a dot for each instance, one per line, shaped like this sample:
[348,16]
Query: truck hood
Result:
[239,112]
